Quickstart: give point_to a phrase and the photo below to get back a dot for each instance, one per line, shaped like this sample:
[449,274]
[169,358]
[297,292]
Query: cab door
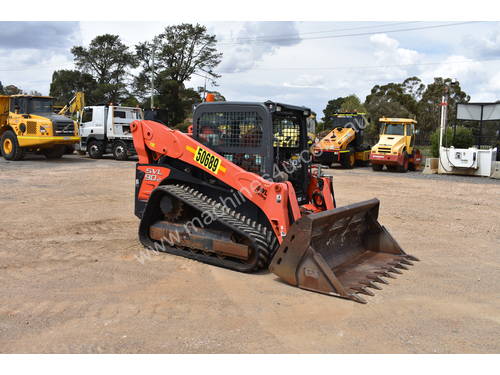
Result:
[410,137]
[92,122]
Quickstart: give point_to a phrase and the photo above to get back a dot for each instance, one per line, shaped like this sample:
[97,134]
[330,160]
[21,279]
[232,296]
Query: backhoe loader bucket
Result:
[341,252]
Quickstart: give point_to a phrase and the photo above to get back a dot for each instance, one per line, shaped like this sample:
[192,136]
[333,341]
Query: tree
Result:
[177,100]
[414,87]
[1,88]
[332,107]
[12,90]
[400,93]
[393,100]
[180,52]
[352,103]
[429,108]
[108,60]
[65,83]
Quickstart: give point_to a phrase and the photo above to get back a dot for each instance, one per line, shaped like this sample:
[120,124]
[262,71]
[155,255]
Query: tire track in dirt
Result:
[90,311]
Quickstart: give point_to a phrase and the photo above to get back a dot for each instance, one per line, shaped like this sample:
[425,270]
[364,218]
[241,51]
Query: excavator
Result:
[234,194]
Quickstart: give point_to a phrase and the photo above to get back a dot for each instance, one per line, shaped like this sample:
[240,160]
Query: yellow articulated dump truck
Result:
[28,124]
[396,146]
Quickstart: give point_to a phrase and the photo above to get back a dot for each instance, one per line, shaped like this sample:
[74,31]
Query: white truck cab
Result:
[106,129]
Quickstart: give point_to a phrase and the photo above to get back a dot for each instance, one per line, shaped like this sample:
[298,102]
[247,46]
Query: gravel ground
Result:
[71,281]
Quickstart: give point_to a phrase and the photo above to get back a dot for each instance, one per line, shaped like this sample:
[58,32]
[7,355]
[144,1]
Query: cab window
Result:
[19,105]
[120,114]
[87,115]
[393,129]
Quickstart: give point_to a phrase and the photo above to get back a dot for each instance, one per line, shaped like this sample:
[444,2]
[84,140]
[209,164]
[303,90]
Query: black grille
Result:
[31,129]
[64,128]
[249,162]
[230,129]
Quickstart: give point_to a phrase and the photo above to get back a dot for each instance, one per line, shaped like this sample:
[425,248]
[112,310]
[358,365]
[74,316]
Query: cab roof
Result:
[397,120]
[269,105]
[349,114]
[30,96]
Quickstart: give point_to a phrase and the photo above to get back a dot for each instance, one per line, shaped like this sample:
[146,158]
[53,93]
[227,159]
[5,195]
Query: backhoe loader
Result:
[237,196]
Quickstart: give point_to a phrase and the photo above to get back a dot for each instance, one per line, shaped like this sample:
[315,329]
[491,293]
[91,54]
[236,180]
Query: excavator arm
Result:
[76,104]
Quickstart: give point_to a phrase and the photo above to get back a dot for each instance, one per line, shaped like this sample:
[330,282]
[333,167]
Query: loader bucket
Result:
[343,252]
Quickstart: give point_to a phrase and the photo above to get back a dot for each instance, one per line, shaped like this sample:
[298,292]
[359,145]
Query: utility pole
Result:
[153,74]
[205,90]
[444,107]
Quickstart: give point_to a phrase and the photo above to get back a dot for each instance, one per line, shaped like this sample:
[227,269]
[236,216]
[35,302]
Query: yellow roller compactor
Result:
[396,146]
[344,144]
[28,124]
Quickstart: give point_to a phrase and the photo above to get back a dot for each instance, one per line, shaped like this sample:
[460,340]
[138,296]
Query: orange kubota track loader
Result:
[241,193]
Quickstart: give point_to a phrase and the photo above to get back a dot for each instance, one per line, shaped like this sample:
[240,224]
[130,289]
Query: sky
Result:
[302,63]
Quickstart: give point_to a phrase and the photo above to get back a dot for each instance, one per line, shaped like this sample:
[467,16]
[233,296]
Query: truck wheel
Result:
[120,151]
[55,152]
[69,149]
[403,168]
[377,167]
[10,147]
[95,149]
[415,165]
[348,159]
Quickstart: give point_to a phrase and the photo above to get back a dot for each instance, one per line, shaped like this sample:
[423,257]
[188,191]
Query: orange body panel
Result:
[152,178]
[270,197]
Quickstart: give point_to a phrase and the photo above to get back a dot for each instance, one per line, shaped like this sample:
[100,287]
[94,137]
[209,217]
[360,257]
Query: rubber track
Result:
[263,241]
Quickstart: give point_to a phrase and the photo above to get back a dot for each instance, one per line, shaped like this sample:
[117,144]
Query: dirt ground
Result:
[70,280]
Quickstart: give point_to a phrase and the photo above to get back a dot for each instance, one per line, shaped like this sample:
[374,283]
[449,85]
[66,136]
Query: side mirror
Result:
[417,131]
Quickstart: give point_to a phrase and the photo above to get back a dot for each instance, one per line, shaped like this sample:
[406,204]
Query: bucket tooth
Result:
[398,265]
[386,274]
[371,284]
[406,261]
[377,279]
[363,290]
[357,298]
[393,270]
[411,257]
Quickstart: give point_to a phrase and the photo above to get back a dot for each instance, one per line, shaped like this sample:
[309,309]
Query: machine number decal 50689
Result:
[207,160]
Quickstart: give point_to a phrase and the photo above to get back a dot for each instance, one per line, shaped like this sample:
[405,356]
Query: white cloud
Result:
[256,40]
[494,83]
[384,40]
[388,51]
[307,81]
[457,67]
[484,46]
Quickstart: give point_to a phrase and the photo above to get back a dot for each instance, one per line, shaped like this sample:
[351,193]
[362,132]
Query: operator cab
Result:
[26,104]
[269,139]
[397,126]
